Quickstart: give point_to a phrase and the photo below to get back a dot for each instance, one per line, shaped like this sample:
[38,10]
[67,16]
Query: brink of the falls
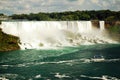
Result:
[48,34]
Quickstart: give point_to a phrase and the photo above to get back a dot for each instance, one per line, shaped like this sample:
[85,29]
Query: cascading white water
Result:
[46,34]
[102,25]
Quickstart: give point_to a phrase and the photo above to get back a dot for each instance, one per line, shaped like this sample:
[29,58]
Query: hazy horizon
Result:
[9,7]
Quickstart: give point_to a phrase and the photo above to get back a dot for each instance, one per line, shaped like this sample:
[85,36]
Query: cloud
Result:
[34,6]
[95,1]
[75,2]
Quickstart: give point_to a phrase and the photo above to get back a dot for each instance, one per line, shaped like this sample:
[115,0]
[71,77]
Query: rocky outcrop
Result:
[113,28]
[95,23]
[8,42]
[108,24]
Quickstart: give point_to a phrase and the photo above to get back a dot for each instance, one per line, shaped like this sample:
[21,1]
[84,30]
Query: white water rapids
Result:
[47,34]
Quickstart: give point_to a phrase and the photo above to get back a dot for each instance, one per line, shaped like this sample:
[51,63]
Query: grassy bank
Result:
[114,29]
[8,42]
[114,32]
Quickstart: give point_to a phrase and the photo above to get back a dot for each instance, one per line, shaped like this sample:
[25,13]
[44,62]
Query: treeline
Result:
[70,15]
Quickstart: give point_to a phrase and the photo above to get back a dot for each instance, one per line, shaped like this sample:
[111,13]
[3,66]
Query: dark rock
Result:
[8,42]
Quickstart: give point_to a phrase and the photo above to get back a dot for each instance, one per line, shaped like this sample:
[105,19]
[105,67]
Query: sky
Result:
[10,7]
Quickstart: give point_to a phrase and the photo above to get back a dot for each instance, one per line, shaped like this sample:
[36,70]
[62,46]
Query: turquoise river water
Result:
[68,63]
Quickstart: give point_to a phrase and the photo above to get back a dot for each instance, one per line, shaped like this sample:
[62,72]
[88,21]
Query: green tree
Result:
[110,18]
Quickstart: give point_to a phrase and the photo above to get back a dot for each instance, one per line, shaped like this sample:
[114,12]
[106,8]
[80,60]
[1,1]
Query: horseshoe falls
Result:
[49,34]
[60,50]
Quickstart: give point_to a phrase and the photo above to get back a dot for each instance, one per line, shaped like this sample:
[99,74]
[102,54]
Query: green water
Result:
[68,63]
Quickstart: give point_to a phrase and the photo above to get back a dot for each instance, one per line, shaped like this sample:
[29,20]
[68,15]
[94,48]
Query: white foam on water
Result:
[100,60]
[38,76]
[112,60]
[58,75]
[104,77]
[10,76]
[3,78]
[67,62]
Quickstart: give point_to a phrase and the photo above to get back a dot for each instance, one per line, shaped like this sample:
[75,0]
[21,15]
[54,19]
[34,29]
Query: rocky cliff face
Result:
[111,27]
[8,42]
[108,24]
[95,23]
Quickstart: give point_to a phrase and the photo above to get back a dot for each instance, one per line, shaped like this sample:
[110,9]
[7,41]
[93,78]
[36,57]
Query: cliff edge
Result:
[8,42]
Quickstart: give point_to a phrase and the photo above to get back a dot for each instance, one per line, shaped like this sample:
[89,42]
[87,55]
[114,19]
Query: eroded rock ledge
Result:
[8,42]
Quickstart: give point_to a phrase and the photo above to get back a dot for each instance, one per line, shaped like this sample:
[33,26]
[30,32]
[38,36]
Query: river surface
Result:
[68,63]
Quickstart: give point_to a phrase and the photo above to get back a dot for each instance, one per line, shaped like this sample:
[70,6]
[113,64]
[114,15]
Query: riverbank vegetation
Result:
[114,32]
[70,15]
[113,26]
[115,29]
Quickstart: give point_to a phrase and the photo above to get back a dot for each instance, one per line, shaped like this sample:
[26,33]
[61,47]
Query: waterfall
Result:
[102,25]
[84,26]
[47,34]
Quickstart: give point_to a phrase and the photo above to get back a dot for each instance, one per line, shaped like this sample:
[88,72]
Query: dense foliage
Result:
[115,29]
[114,32]
[71,15]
